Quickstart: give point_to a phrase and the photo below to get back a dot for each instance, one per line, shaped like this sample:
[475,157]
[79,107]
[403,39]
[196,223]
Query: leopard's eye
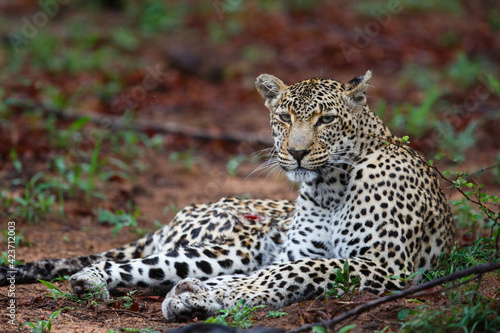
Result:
[325,120]
[285,117]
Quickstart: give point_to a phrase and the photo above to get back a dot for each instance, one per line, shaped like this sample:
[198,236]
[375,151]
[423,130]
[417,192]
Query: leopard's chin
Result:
[300,175]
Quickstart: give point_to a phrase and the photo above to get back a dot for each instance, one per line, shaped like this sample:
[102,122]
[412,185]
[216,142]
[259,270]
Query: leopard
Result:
[365,203]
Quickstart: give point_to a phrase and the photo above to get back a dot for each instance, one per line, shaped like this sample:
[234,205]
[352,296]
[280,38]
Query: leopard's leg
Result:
[163,270]
[52,268]
[195,224]
[277,285]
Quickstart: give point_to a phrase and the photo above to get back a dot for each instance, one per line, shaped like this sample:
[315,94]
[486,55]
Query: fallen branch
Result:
[479,269]
[109,122]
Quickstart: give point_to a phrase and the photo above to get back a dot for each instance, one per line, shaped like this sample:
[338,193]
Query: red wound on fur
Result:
[253,217]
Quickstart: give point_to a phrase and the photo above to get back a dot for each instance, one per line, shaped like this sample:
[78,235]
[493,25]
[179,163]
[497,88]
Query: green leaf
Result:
[403,314]
[347,328]
[318,329]
[79,123]
[50,285]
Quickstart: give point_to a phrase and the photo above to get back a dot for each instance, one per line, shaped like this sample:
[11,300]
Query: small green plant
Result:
[92,296]
[347,328]
[129,143]
[69,136]
[319,329]
[20,238]
[466,216]
[155,16]
[239,317]
[404,140]
[125,39]
[186,158]
[120,219]
[171,208]
[61,278]
[57,293]
[234,163]
[126,300]
[15,161]
[465,70]
[470,318]
[74,179]
[416,119]
[36,202]
[421,77]
[494,84]
[95,294]
[404,313]
[456,143]
[343,282]
[277,314]
[42,326]
[5,261]
[460,258]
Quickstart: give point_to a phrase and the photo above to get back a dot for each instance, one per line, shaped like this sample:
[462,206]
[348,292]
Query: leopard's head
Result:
[313,122]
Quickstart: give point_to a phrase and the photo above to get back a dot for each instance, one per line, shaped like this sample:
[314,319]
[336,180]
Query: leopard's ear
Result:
[269,87]
[356,88]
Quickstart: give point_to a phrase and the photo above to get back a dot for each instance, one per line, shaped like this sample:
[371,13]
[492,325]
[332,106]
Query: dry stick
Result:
[117,122]
[479,269]
[483,170]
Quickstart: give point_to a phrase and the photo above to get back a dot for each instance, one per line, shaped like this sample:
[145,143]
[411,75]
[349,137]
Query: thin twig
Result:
[483,170]
[479,269]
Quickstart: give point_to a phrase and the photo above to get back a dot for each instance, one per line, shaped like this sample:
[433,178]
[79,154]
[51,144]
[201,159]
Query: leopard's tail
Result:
[53,268]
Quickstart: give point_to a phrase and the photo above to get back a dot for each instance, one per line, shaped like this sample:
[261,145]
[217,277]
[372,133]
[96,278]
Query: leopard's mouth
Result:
[301,174]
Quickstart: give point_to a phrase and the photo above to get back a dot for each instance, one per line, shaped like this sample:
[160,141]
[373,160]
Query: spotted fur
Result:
[362,199]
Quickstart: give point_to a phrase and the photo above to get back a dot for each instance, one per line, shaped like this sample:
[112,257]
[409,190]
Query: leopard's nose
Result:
[299,154]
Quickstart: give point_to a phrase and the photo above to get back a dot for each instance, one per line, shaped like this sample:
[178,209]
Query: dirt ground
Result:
[208,85]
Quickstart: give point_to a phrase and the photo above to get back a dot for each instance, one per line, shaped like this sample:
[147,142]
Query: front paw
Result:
[89,283]
[189,299]
[188,285]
